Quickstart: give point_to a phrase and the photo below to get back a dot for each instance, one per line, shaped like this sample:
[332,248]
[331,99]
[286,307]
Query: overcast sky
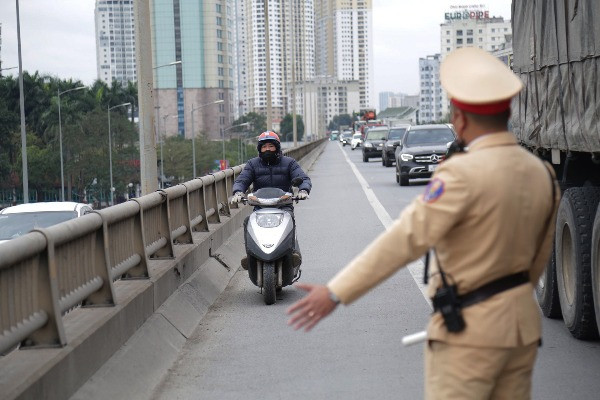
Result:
[57,38]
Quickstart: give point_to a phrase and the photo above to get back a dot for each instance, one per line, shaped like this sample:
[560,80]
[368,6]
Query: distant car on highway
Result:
[373,143]
[334,135]
[345,138]
[356,140]
[388,156]
[21,219]
[420,151]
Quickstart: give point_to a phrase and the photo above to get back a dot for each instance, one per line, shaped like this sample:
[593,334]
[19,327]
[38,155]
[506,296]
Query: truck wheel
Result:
[269,283]
[573,271]
[596,266]
[547,289]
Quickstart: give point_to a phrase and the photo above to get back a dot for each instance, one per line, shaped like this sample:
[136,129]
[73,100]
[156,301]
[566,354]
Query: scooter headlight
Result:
[269,220]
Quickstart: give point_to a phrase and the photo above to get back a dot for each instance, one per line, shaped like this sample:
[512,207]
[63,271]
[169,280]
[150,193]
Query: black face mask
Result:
[268,156]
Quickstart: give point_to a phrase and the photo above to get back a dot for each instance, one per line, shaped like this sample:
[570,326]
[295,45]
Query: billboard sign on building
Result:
[473,11]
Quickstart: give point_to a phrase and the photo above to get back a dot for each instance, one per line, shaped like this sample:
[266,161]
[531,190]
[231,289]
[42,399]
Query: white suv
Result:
[19,220]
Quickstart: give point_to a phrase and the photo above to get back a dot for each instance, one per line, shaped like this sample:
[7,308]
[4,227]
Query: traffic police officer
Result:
[488,214]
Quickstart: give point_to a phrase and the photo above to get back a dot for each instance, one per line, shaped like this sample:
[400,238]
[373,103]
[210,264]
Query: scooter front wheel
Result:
[269,283]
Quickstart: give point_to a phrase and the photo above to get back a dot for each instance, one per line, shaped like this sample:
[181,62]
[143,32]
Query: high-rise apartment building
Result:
[470,27]
[431,97]
[344,43]
[291,31]
[115,41]
[323,98]
[200,34]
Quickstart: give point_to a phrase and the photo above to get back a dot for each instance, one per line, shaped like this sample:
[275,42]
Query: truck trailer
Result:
[557,117]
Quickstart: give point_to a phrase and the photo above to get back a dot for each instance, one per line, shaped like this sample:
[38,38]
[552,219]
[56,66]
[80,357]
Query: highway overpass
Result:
[198,328]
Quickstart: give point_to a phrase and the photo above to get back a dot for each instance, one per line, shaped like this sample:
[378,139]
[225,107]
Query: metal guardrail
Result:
[47,272]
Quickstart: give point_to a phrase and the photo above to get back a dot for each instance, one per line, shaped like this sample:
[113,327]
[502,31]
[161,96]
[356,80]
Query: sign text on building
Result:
[474,11]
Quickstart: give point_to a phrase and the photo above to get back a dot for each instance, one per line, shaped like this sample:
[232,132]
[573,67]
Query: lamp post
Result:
[22,107]
[194,133]
[157,98]
[6,69]
[62,173]
[112,189]
[162,170]
[225,130]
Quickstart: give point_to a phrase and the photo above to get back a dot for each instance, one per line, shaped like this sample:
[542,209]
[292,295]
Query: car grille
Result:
[429,158]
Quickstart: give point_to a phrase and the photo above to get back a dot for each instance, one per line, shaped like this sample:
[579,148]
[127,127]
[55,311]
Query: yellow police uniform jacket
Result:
[488,213]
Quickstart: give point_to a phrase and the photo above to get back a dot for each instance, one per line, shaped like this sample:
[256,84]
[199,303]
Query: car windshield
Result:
[427,137]
[396,134]
[357,136]
[377,135]
[345,135]
[15,225]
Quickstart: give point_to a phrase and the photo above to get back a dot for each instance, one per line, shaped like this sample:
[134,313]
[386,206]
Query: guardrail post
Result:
[52,334]
[179,214]
[197,206]
[124,240]
[221,184]
[229,180]
[210,199]
[156,227]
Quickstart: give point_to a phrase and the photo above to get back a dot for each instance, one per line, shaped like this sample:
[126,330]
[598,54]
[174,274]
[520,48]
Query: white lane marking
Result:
[415,268]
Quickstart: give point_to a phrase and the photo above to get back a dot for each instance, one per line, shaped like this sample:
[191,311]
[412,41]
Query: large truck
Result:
[557,117]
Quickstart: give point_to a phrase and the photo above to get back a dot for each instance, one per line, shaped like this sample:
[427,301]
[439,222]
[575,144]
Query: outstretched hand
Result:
[309,310]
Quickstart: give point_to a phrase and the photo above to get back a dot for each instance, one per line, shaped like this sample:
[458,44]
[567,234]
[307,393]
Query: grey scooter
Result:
[271,246]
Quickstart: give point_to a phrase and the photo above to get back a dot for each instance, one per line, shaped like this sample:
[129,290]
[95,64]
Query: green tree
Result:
[258,122]
[287,128]
[9,142]
[338,120]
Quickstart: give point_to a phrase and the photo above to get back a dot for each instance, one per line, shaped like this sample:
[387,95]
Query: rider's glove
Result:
[237,197]
[303,195]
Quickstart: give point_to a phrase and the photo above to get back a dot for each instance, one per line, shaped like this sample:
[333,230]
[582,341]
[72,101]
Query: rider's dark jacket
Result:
[278,174]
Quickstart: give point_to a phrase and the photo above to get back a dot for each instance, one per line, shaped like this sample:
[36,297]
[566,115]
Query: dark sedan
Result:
[420,151]
[388,155]
[373,143]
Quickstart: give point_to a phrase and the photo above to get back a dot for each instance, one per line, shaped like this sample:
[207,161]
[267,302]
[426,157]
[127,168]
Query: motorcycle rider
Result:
[271,169]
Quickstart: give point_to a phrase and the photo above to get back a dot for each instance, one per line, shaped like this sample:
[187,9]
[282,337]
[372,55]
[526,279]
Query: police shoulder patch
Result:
[434,190]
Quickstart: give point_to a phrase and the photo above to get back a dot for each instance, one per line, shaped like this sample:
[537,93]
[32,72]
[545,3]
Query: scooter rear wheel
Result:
[269,283]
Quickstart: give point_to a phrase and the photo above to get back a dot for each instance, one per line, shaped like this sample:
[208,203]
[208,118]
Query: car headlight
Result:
[406,157]
[368,144]
[269,220]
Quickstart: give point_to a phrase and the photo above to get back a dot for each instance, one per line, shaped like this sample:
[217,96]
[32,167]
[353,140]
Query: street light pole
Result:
[62,173]
[162,139]
[148,170]
[194,133]
[112,189]
[6,69]
[22,106]
[231,127]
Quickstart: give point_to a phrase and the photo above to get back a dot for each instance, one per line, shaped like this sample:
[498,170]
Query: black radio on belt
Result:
[447,303]
[446,300]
